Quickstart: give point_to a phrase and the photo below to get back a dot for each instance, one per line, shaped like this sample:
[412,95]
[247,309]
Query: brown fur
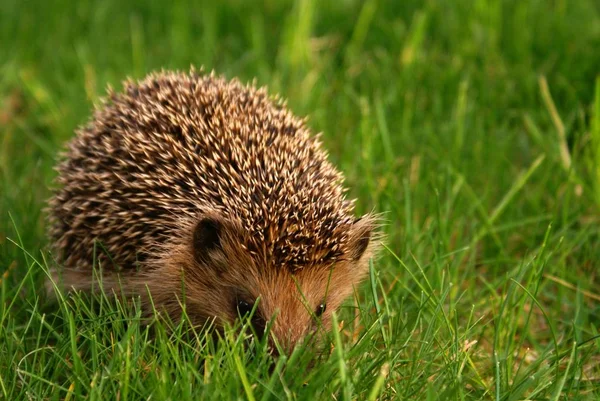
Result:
[205,189]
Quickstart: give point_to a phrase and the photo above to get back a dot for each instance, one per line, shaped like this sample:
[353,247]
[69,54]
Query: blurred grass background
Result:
[474,124]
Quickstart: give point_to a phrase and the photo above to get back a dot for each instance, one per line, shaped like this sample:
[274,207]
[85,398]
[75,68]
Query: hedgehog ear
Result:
[360,237]
[207,237]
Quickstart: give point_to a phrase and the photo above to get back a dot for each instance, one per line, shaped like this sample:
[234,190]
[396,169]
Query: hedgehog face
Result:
[225,282]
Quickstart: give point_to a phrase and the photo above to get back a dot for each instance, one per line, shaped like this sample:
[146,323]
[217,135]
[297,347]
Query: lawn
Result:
[473,125]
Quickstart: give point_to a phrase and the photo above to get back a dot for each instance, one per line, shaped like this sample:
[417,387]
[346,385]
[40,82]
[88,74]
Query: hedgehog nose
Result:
[286,343]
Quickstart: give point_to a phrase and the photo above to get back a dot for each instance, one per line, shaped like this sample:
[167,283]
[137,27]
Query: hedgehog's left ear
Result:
[209,234]
[207,237]
[360,237]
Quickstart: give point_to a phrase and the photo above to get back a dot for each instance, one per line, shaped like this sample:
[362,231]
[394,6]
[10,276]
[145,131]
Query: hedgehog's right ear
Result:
[207,237]
[361,235]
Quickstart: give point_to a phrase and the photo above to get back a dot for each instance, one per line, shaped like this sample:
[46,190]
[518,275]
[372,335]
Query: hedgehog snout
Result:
[288,335]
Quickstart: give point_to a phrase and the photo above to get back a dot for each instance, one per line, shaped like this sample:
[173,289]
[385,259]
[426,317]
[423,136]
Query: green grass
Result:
[474,124]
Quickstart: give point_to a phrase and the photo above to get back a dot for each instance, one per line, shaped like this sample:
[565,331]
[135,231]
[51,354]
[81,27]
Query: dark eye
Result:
[244,308]
[320,309]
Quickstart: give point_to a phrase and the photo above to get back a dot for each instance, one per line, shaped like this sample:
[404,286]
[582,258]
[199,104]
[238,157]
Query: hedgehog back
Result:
[175,146]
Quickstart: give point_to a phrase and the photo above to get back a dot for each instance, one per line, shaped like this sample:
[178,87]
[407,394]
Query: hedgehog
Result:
[186,188]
